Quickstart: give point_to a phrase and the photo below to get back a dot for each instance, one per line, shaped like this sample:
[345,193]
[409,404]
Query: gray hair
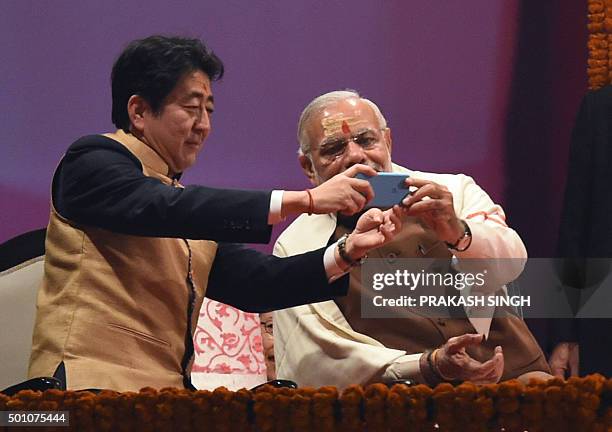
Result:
[319,103]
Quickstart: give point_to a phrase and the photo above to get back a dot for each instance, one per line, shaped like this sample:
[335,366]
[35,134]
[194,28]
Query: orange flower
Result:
[300,412]
[374,406]
[239,408]
[201,408]
[351,409]
[323,406]
[397,407]
[264,409]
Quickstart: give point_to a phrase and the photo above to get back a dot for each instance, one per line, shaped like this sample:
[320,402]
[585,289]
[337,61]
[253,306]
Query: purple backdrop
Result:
[440,71]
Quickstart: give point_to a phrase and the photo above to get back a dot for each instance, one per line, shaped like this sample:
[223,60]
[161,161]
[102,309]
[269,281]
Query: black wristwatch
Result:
[463,242]
[345,256]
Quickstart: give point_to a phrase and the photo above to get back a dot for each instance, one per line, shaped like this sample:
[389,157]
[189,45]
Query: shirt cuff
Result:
[332,269]
[276,204]
[404,367]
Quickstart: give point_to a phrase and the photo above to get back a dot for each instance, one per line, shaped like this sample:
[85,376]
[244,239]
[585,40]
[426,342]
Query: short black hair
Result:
[151,68]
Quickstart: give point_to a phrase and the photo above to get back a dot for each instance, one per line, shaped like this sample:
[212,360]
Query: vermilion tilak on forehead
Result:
[345,127]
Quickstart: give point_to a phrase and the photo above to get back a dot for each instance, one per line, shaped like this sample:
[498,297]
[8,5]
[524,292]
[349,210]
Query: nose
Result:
[202,123]
[354,153]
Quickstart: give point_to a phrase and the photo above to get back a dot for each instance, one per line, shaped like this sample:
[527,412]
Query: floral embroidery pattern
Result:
[227,341]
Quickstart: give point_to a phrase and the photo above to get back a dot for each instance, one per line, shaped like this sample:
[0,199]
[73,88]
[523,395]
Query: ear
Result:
[388,139]
[308,169]
[137,108]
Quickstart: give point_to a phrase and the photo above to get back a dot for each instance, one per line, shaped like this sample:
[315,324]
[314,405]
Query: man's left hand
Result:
[433,203]
[374,228]
[454,363]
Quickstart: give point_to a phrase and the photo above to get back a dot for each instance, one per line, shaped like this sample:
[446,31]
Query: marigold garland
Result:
[375,400]
[323,408]
[575,404]
[599,63]
[397,408]
[301,416]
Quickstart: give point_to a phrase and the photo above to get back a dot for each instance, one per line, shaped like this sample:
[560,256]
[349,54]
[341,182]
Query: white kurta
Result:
[315,345]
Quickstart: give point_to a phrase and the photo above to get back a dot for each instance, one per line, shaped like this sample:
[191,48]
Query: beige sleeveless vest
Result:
[113,307]
[415,333]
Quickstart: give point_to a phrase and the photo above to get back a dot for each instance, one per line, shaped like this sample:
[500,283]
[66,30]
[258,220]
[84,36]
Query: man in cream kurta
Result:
[328,343]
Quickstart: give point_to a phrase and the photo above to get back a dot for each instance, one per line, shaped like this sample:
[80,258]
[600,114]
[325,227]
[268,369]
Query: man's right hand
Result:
[454,363]
[343,193]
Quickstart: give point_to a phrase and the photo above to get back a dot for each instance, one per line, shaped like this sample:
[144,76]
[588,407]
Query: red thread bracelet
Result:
[310,203]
